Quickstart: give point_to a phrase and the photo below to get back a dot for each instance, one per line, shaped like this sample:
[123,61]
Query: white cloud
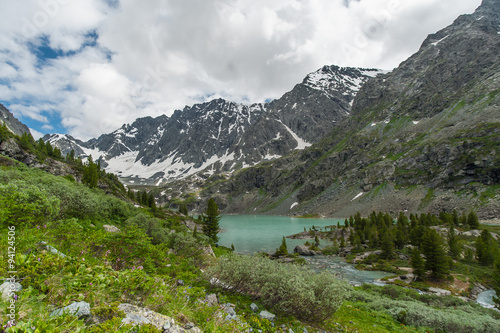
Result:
[152,57]
[36,135]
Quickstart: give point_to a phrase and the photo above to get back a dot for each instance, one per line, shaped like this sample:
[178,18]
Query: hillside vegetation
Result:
[65,252]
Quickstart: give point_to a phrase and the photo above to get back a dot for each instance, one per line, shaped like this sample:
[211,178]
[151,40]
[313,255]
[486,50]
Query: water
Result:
[254,233]
[250,234]
[347,271]
[485,299]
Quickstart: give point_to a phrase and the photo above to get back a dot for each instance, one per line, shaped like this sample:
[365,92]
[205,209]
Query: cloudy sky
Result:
[87,67]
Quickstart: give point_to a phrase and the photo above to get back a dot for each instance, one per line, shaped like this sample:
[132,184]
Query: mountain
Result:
[12,123]
[222,136]
[423,138]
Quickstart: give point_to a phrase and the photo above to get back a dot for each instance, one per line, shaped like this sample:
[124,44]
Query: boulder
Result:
[267,315]
[439,291]
[139,316]
[8,288]
[79,309]
[303,250]
[211,299]
[190,224]
[254,307]
[208,251]
[110,228]
[51,249]
[472,233]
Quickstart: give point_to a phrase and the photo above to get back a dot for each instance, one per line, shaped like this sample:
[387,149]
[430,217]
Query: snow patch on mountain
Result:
[301,144]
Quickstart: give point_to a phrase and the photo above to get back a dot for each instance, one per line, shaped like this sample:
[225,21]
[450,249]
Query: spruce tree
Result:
[211,219]
[387,246]
[436,259]
[90,175]
[496,282]
[472,220]
[282,250]
[486,248]
[418,264]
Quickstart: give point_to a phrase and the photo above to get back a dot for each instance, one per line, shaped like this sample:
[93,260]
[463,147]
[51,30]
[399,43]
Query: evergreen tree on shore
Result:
[211,219]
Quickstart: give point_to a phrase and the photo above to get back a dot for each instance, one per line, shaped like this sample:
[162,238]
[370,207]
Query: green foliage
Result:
[5,133]
[183,209]
[441,314]
[75,200]
[286,288]
[23,205]
[90,173]
[486,248]
[496,282]
[436,259]
[211,219]
[418,264]
[282,250]
[152,226]
[472,220]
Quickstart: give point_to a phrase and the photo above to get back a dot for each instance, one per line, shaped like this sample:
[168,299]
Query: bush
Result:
[329,250]
[453,315]
[287,289]
[22,204]
[152,226]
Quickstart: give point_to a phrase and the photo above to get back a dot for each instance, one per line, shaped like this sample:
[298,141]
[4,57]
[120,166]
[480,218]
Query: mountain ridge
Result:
[220,136]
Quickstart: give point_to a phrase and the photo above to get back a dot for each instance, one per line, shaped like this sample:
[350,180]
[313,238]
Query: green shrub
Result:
[22,204]
[445,314]
[329,250]
[287,289]
[152,226]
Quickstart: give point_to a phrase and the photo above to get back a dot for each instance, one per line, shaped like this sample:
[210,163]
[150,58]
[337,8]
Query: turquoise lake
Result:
[254,233]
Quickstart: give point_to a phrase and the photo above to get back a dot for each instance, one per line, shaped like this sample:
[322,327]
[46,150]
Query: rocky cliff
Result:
[12,123]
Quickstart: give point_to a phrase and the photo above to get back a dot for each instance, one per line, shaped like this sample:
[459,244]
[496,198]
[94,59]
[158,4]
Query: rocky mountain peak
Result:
[12,123]
[223,136]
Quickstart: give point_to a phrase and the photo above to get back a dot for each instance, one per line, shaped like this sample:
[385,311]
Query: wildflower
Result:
[83,259]
[90,283]
[38,227]
[14,297]
[133,267]
[38,259]
[140,267]
[45,226]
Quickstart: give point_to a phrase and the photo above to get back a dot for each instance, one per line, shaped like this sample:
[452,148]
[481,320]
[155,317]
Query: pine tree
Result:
[472,220]
[282,250]
[486,248]
[90,175]
[342,240]
[211,219]
[436,259]
[387,246]
[418,264]
[496,282]
[183,209]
